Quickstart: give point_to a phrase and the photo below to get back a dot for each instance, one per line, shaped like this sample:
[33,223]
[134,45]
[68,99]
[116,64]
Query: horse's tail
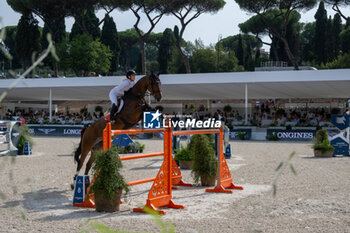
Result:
[77,152]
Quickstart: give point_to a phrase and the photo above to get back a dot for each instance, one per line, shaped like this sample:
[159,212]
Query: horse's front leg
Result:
[97,147]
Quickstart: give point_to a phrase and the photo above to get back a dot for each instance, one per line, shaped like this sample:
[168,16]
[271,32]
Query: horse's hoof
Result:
[72,186]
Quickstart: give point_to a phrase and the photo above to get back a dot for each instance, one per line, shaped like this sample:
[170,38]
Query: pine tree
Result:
[329,43]
[248,61]
[87,24]
[166,44]
[27,39]
[257,58]
[337,28]
[91,23]
[240,51]
[58,31]
[76,29]
[345,40]
[320,34]
[109,37]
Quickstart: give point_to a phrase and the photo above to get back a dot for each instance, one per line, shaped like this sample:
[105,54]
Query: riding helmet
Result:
[130,72]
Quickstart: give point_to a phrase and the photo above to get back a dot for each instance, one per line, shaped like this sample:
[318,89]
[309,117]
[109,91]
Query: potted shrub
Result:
[141,147]
[138,147]
[273,137]
[241,135]
[25,136]
[184,157]
[109,183]
[204,164]
[322,147]
[133,146]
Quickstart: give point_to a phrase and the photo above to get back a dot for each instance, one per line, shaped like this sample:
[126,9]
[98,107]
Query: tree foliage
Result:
[109,37]
[88,55]
[50,11]
[87,24]
[154,11]
[285,8]
[127,40]
[27,39]
[345,40]
[337,28]
[166,45]
[10,46]
[307,42]
[240,51]
[320,33]
[342,62]
[336,6]
[186,11]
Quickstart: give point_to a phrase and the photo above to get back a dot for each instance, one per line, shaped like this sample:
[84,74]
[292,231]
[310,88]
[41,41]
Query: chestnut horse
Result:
[131,113]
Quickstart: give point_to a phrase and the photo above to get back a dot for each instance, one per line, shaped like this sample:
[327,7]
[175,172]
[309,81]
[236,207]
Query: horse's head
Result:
[154,87]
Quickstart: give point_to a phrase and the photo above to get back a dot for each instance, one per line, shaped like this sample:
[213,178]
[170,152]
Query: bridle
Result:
[153,80]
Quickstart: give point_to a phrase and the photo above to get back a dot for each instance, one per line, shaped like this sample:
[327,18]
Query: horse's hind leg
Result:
[97,147]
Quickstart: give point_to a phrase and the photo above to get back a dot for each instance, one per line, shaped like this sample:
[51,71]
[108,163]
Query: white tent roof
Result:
[261,85]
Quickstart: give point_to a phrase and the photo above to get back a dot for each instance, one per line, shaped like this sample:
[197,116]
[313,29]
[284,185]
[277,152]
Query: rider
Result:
[117,92]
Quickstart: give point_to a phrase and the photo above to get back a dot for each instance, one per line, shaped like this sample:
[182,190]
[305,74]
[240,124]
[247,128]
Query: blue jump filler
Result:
[81,185]
[341,141]
[27,149]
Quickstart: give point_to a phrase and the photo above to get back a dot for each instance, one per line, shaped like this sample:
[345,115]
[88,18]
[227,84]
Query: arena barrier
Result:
[160,194]
[6,137]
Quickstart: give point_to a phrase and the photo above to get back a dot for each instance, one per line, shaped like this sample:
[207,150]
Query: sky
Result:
[208,27]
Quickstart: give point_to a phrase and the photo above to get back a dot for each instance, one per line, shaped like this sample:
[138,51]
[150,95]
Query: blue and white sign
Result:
[340,121]
[341,147]
[122,140]
[152,120]
[81,185]
[341,141]
[228,154]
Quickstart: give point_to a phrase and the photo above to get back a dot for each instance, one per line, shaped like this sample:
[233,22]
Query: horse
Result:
[131,113]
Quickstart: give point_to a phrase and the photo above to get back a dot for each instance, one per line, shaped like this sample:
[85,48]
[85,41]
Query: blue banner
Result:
[340,121]
[241,134]
[56,130]
[292,135]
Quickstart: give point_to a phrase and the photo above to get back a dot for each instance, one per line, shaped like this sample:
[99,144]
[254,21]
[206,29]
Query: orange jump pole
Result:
[224,180]
[129,157]
[191,132]
[136,131]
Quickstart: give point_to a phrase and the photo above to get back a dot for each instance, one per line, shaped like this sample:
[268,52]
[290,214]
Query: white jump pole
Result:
[246,105]
[50,104]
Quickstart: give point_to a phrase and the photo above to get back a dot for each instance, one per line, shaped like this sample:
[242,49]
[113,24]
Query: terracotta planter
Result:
[186,164]
[328,154]
[103,203]
[208,180]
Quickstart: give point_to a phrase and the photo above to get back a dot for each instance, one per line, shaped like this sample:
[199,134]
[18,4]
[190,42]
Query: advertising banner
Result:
[292,135]
[241,134]
[341,140]
[56,130]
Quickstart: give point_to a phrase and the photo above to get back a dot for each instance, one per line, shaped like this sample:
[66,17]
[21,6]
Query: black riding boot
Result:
[112,113]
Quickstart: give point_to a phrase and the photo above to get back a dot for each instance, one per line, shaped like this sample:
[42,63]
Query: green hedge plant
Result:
[205,163]
[109,179]
[322,143]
